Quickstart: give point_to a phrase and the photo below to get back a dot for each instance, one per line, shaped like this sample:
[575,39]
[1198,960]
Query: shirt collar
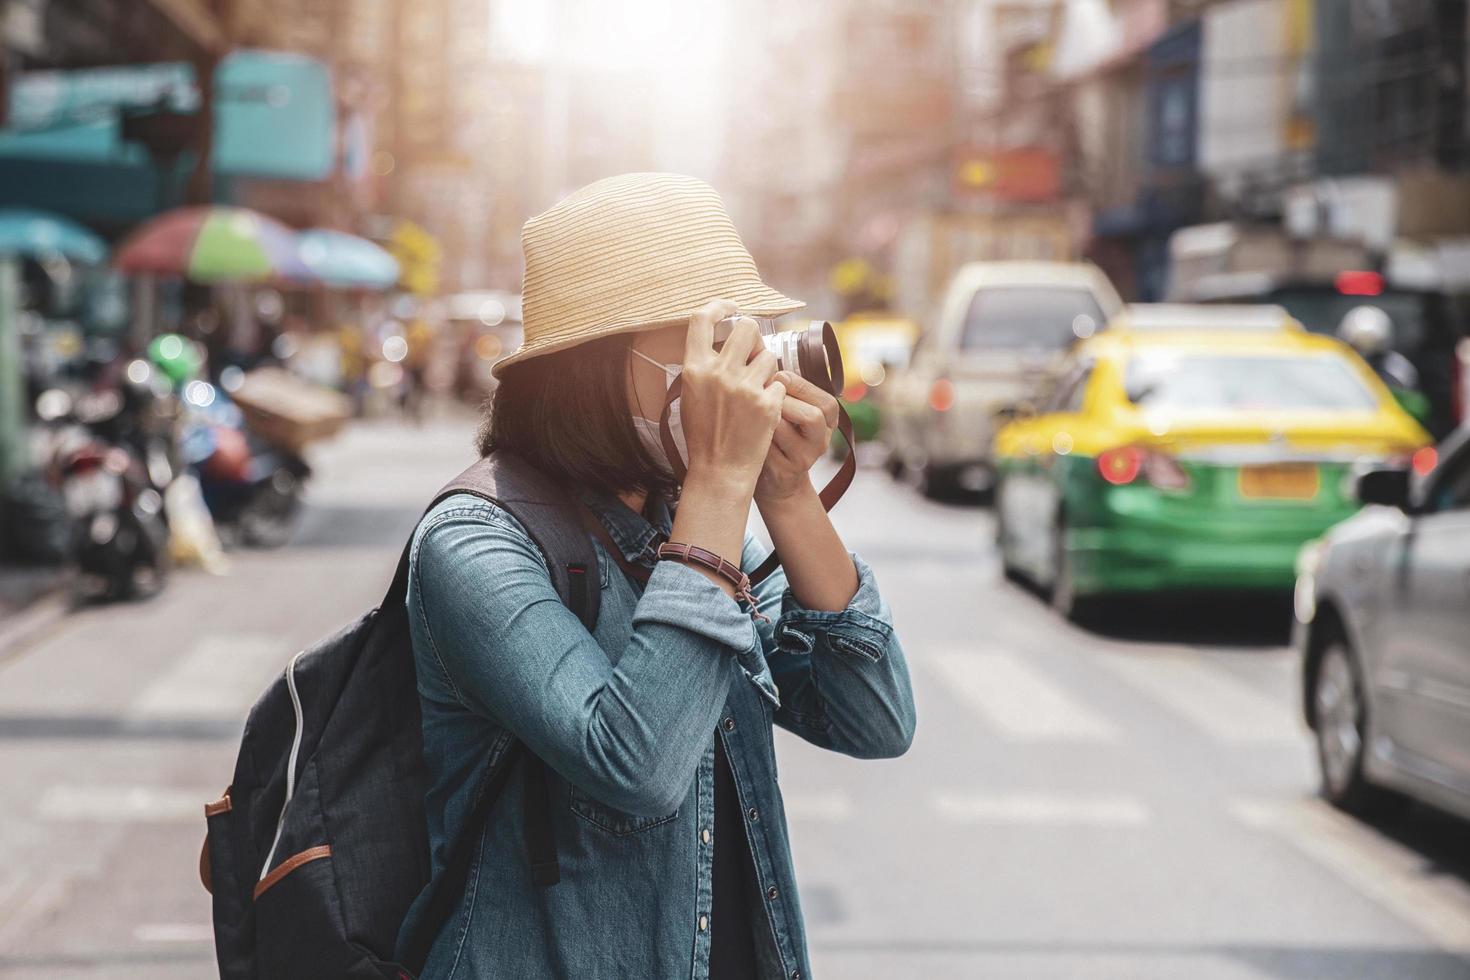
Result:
[636,536]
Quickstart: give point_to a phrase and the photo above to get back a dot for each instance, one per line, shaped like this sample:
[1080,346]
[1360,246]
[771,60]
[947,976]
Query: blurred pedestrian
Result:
[656,725]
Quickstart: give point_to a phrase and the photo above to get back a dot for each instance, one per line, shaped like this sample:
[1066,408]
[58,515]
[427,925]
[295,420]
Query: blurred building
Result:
[1257,112]
[843,128]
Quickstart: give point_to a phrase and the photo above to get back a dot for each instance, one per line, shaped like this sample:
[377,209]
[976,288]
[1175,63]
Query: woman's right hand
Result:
[730,405]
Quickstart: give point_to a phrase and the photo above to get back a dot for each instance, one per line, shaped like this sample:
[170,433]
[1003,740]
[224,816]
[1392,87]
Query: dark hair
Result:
[567,414]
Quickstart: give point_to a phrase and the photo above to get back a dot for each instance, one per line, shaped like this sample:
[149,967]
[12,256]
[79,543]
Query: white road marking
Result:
[123,804]
[1018,700]
[818,807]
[219,678]
[1041,809]
[1405,882]
[174,932]
[1207,697]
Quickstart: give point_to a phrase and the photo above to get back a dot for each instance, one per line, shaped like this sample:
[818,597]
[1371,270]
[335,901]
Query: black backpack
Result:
[319,846]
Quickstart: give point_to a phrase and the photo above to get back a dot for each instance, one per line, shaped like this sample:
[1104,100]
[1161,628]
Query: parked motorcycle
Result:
[119,532]
[252,488]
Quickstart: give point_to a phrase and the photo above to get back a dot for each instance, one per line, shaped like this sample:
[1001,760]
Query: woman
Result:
[656,725]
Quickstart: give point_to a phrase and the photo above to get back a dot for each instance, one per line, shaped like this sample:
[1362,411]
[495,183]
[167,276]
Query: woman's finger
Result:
[803,414]
[803,390]
[788,441]
[699,342]
[762,367]
[743,340]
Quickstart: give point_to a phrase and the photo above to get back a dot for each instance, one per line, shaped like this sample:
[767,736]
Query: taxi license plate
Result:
[1279,482]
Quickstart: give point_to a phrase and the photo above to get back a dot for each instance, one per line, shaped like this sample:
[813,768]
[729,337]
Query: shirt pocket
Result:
[619,823]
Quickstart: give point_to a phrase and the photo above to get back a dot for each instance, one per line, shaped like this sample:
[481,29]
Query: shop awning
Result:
[38,235]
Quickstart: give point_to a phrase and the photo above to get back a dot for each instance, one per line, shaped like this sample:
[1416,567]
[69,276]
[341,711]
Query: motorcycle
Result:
[252,487]
[119,531]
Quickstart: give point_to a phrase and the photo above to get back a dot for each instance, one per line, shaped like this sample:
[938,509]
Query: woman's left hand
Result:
[808,418]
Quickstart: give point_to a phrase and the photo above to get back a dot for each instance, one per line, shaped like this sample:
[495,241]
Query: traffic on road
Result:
[1124,344]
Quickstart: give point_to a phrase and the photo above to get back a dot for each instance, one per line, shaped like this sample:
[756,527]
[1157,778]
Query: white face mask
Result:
[648,429]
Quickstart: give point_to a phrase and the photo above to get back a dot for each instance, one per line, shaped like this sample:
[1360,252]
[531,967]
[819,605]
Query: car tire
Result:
[1008,568]
[1062,589]
[1340,724]
[893,463]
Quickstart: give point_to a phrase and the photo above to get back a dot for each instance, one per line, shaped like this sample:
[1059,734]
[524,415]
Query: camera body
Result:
[810,351]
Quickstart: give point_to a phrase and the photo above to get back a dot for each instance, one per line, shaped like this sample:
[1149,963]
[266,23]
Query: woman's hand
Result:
[730,407]
[730,404]
[808,417]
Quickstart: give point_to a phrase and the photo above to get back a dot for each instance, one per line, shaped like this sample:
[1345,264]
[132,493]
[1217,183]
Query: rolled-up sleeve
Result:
[630,735]
[842,676]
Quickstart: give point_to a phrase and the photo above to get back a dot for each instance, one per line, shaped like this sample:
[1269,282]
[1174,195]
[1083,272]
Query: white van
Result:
[1002,331]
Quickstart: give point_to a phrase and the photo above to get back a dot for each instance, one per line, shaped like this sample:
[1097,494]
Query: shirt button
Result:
[704,835]
[771,893]
[753,813]
[729,724]
[703,923]
[795,975]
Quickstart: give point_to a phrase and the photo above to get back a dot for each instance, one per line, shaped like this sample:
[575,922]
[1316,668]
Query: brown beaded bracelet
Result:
[689,554]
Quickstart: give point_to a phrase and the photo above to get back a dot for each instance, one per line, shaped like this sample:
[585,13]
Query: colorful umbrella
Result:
[213,245]
[336,258]
[38,235]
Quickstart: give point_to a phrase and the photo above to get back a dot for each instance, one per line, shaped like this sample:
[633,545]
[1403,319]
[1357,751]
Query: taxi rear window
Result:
[1180,381]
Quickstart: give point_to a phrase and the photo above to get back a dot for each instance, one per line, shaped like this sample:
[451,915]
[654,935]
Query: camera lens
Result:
[811,352]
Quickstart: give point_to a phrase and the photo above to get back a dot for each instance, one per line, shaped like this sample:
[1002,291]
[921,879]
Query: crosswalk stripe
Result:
[1018,700]
[1040,809]
[122,804]
[831,807]
[220,677]
[1206,696]
[174,932]
[1437,904]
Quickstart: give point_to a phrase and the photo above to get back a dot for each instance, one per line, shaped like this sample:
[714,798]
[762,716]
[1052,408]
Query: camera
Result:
[809,351]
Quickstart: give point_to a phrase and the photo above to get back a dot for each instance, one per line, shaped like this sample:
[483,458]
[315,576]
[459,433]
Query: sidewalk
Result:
[32,598]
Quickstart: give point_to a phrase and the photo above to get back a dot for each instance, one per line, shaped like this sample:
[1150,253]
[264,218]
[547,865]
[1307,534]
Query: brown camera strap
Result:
[829,495]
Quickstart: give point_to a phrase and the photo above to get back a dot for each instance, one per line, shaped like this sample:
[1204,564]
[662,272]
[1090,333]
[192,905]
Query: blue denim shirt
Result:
[626,718]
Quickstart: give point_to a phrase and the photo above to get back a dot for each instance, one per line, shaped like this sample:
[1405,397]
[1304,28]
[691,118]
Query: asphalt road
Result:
[1136,803]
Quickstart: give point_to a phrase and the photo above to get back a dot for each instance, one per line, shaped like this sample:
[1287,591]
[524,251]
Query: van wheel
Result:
[938,482]
[1340,716]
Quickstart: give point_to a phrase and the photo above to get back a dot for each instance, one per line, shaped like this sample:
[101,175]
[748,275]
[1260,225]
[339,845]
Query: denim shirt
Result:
[625,718]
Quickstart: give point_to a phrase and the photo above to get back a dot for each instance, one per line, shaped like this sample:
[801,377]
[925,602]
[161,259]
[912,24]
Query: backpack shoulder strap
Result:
[545,509]
[548,513]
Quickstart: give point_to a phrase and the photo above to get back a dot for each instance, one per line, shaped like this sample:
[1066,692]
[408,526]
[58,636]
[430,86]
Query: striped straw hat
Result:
[630,253]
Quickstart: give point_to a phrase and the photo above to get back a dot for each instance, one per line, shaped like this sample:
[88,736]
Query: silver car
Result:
[1383,626]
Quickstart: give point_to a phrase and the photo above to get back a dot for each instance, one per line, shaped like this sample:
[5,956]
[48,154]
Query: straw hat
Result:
[631,253]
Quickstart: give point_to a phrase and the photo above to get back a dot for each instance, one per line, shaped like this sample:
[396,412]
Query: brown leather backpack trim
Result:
[291,864]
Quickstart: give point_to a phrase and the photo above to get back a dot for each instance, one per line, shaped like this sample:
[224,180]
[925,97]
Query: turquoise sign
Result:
[274,114]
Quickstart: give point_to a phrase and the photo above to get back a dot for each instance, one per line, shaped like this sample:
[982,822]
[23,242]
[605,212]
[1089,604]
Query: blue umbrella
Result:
[336,258]
[38,235]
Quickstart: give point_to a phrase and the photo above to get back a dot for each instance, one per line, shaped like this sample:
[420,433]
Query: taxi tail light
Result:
[1129,464]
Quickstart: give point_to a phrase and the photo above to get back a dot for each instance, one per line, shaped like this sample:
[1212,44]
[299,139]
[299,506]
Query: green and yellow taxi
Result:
[1190,447]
